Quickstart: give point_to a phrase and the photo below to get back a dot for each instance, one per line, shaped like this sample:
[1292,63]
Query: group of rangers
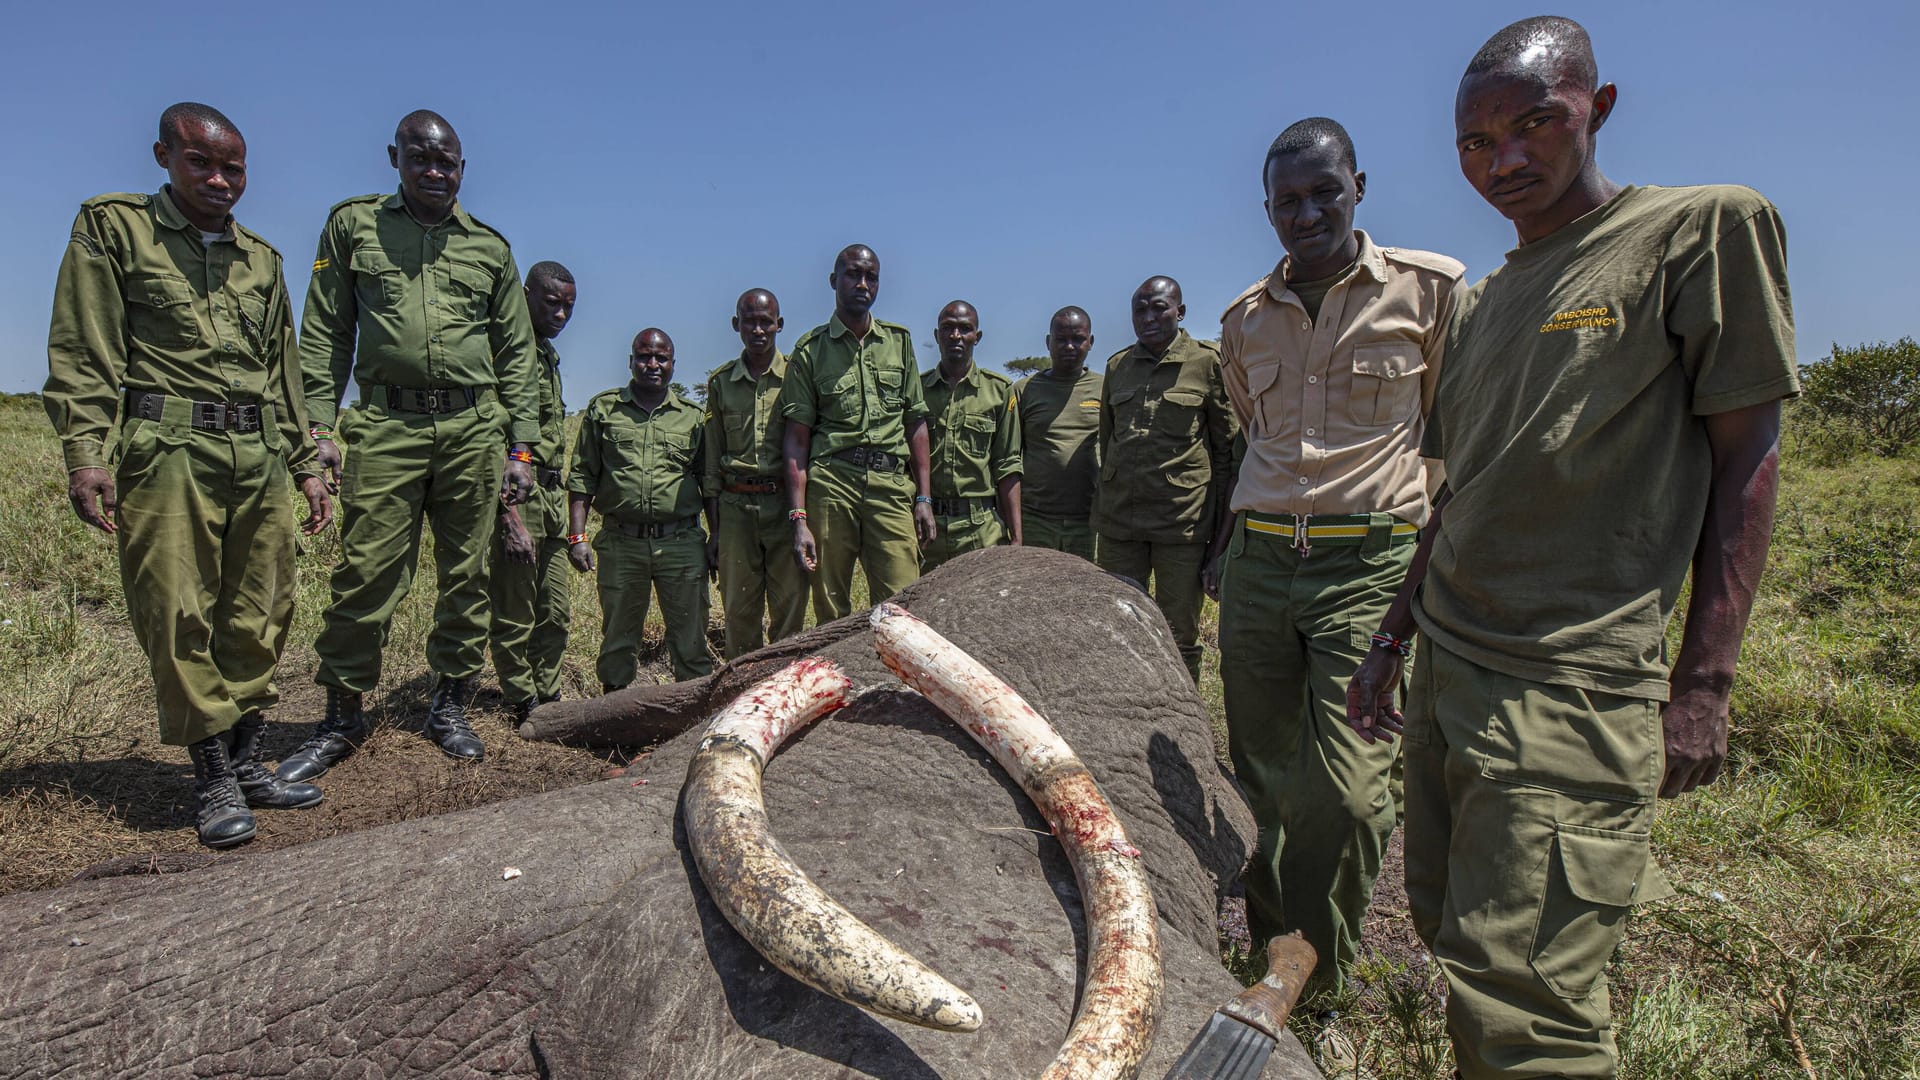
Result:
[1525,472]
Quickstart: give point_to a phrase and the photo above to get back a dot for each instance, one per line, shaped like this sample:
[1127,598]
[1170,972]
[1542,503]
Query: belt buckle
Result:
[439,400]
[209,415]
[246,417]
[1302,543]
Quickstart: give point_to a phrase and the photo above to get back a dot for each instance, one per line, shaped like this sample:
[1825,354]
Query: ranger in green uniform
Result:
[856,446]
[752,544]
[1609,417]
[1166,448]
[530,584]
[173,334]
[1059,413]
[638,460]
[974,441]
[421,305]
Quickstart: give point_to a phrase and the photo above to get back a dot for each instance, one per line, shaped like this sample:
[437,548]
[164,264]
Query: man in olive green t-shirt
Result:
[172,337]
[1609,419]
[1059,412]
[856,451]
[974,443]
[1166,447]
[638,459]
[752,544]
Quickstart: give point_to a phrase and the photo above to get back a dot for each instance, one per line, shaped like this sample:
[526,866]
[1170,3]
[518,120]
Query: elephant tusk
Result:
[1121,1000]
[764,894]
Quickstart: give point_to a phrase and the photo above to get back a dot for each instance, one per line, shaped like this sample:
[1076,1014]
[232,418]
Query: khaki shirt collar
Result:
[738,368]
[673,400]
[1179,345]
[398,202]
[172,218]
[836,328]
[1370,262]
[971,378]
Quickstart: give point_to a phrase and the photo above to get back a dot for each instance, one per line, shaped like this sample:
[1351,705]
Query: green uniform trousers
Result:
[961,534]
[630,571]
[758,574]
[1071,535]
[859,516]
[1529,809]
[206,543]
[1292,632]
[400,466]
[532,604]
[1175,572]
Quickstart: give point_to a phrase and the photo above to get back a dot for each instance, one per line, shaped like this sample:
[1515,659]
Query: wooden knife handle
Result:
[1265,1004]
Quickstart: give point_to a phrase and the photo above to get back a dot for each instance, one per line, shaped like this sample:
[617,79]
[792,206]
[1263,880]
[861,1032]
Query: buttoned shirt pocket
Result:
[253,324]
[1386,383]
[378,284]
[890,380]
[739,429]
[1179,413]
[976,436]
[1126,405]
[160,310]
[840,397]
[470,290]
[676,450]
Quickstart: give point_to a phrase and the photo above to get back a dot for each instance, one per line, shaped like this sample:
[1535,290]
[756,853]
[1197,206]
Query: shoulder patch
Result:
[1426,260]
[1247,294]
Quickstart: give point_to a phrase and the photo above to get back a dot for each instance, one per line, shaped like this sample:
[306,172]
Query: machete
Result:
[1236,1041]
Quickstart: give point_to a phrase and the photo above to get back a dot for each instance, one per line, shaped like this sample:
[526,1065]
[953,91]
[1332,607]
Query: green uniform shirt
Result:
[1569,417]
[639,466]
[1165,442]
[854,391]
[973,431]
[545,512]
[1059,422]
[143,303]
[744,430]
[436,306]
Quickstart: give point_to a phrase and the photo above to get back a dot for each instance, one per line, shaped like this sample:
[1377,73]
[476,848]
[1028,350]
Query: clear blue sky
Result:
[1019,155]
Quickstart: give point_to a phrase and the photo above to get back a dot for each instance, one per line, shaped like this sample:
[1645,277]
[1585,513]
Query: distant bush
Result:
[1866,397]
[1028,365]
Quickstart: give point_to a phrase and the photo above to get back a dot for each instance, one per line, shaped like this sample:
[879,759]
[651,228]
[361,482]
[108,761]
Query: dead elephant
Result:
[405,951]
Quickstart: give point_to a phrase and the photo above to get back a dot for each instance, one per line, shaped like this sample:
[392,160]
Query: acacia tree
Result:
[1873,388]
[1028,365]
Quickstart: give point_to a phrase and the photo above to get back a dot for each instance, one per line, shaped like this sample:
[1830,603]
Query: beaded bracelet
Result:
[1392,644]
[796,515]
[524,457]
[320,434]
[576,538]
[928,499]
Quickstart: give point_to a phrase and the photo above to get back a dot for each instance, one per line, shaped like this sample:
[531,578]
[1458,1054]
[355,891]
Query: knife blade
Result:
[1238,1038]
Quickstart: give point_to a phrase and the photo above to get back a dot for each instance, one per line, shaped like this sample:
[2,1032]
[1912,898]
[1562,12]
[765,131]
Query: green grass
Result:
[1798,927]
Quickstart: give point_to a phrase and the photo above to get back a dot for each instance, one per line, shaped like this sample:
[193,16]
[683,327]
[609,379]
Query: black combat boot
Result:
[221,818]
[262,789]
[338,734]
[447,720]
[522,711]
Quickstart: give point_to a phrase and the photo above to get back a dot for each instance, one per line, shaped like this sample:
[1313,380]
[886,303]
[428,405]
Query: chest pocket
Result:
[739,428]
[1126,406]
[470,291]
[976,435]
[160,311]
[1386,383]
[676,451]
[890,381]
[253,322]
[377,283]
[1179,413]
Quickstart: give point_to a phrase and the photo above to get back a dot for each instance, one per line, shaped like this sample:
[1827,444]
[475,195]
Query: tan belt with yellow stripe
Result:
[1303,530]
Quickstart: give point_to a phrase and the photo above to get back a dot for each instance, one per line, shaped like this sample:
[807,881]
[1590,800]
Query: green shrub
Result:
[1869,393]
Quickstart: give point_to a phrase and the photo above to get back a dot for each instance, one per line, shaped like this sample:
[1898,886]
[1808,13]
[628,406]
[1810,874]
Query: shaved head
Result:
[961,307]
[1155,286]
[853,251]
[650,338]
[1072,314]
[756,298]
[1550,48]
[189,116]
[424,122]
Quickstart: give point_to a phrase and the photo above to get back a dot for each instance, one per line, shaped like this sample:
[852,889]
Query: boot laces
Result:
[335,724]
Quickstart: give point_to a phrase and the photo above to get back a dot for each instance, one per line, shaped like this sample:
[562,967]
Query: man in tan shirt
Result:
[1330,363]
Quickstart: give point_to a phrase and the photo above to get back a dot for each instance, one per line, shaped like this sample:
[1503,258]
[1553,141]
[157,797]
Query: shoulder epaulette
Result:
[1210,346]
[1426,260]
[893,326]
[496,232]
[1118,355]
[356,200]
[123,198]
[927,376]
[805,338]
[613,393]
[1246,294]
[256,238]
[994,376]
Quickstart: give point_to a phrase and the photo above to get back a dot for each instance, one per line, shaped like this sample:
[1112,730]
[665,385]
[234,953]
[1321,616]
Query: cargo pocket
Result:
[160,311]
[1593,877]
[1386,384]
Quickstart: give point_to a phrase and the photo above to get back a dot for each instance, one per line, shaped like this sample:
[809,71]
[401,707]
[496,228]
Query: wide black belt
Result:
[963,507]
[652,530]
[429,399]
[241,416]
[546,478]
[749,484]
[868,458]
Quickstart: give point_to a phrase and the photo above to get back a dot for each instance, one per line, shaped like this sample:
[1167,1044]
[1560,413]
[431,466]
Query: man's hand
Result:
[1371,709]
[516,486]
[518,542]
[713,555]
[1210,577]
[330,461]
[804,552]
[319,506]
[581,555]
[91,493]
[923,523]
[1695,724]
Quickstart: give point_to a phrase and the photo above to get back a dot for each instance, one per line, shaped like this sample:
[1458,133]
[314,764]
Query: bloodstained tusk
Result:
[1121,1000]
[764,894]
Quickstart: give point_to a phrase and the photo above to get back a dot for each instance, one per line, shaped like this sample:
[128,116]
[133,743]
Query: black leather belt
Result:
[868,458]
[546,478]
[963,507]
[241,416]
[745,484]
[430,399]
[652,530]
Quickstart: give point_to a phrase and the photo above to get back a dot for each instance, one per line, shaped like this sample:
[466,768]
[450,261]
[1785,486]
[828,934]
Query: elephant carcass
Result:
[403,951]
